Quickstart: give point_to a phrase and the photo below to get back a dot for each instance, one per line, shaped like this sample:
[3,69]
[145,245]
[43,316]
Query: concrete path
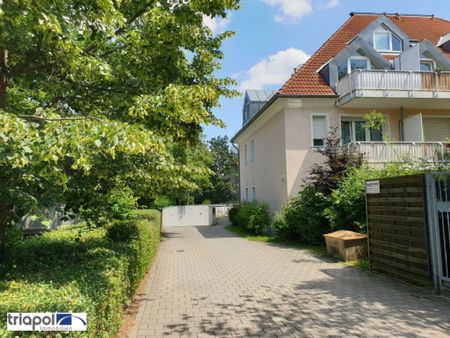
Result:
[209,282]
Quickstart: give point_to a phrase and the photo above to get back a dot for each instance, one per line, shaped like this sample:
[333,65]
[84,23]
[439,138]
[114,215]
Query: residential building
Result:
[398,65]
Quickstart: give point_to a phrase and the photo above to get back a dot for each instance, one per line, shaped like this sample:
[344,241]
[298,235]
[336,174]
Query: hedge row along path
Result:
[207,281]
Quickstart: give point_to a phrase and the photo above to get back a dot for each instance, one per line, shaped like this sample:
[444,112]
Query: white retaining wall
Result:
[189,215]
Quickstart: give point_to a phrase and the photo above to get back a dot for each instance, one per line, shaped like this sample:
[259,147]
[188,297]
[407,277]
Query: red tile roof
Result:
[306,80]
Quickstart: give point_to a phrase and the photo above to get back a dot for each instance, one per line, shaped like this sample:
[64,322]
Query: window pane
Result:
[319,130]
[359,64]
[342,70]
[319,142]
[346,129]
[426,67]
[396,44]
[360,131]
[381,41]
[376,135]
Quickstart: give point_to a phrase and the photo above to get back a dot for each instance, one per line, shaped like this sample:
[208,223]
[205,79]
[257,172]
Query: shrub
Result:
[259,221]
[76,269]
[302,218]
[254,217]
[123,231]
[347,209]
[148,214]
[233,215]
[121,204]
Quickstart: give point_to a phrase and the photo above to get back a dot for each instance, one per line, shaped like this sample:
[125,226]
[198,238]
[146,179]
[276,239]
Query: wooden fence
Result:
[397,228]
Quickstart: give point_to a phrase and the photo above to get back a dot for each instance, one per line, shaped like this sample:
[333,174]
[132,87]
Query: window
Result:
[246,195]
[353,63]
[253,193]
[246,153]
[354,130]
[360,62]
[426,66]
[319,130]
[252,150]
[384,40]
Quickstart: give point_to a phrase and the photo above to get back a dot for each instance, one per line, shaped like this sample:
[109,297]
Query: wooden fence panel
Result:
[397,229]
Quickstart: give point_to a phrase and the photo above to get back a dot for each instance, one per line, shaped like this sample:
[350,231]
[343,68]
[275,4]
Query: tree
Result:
[99,92]
[224,168]
[326,176]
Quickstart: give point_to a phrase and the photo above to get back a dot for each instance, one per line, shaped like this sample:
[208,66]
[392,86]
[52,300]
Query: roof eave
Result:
[272,100]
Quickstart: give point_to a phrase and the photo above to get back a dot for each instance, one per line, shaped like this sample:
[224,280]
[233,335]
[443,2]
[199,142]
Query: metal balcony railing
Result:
[379,153]
[392,82]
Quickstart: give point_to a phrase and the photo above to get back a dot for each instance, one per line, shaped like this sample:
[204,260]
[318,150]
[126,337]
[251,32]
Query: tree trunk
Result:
[3,219]
[3,77]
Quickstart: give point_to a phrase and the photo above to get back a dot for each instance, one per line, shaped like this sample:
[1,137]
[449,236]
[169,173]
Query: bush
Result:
[77,269]
[121,204]
[347,209]
[254,217]
[123,231]
[233,215]
[302,218]
[148,214]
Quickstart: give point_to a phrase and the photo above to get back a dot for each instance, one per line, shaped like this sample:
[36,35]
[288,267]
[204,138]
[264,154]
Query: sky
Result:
[272,37]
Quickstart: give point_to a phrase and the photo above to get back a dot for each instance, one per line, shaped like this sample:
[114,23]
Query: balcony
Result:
[377,154]
[392,89]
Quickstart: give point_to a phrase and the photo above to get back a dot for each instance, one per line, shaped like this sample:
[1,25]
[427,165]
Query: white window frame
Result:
[252,150]
[430,61]
[253,198]
[383,30]
[349,62]
[327,121]
[386,130]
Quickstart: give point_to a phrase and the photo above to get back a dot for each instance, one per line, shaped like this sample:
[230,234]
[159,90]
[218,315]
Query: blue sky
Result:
[274,36]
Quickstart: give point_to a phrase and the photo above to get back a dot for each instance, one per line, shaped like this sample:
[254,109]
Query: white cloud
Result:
[331,4]
[294,10]
[217,25]
[274,70]
[290,10]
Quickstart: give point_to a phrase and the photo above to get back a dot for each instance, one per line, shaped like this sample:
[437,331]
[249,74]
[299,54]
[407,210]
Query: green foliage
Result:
[233,215]
[302,218]
[148,214]
[162,202]
[347,208]
[76,269]
[326,176]
[375,120]
[123,231]
[254,217]
[101,92]
[222,187]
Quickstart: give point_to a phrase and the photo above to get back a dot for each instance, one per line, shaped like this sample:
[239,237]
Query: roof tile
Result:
[306,80]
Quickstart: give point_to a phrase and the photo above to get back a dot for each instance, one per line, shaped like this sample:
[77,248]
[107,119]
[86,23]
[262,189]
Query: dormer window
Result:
[427,66]
[385,41]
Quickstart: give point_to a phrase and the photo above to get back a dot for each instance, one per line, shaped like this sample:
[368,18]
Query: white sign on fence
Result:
[372,187]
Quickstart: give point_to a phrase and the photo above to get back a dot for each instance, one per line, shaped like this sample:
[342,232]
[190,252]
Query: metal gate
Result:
[438,198]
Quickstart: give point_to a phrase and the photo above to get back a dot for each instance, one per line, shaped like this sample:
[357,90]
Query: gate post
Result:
[434,243]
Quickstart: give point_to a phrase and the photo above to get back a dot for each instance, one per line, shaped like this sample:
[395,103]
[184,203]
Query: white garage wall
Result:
[189,215]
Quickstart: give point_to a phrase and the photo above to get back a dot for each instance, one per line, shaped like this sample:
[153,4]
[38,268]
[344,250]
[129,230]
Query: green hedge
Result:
[254,217]
[75,269]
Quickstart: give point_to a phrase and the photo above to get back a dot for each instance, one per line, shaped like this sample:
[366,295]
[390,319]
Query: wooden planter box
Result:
[346,245]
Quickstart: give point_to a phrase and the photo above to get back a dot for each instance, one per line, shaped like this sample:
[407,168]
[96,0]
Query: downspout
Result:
[402,126]
[239,170]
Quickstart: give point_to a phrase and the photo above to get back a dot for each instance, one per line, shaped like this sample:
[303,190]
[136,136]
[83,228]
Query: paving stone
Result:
[208,282]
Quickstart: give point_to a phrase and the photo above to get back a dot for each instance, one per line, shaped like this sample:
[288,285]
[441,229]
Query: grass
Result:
[318,250]
[362,263]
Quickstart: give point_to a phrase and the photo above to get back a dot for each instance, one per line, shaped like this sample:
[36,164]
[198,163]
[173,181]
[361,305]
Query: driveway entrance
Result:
[208,282]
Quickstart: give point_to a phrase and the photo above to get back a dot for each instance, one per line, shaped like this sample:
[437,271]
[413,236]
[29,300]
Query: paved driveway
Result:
[206,282]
